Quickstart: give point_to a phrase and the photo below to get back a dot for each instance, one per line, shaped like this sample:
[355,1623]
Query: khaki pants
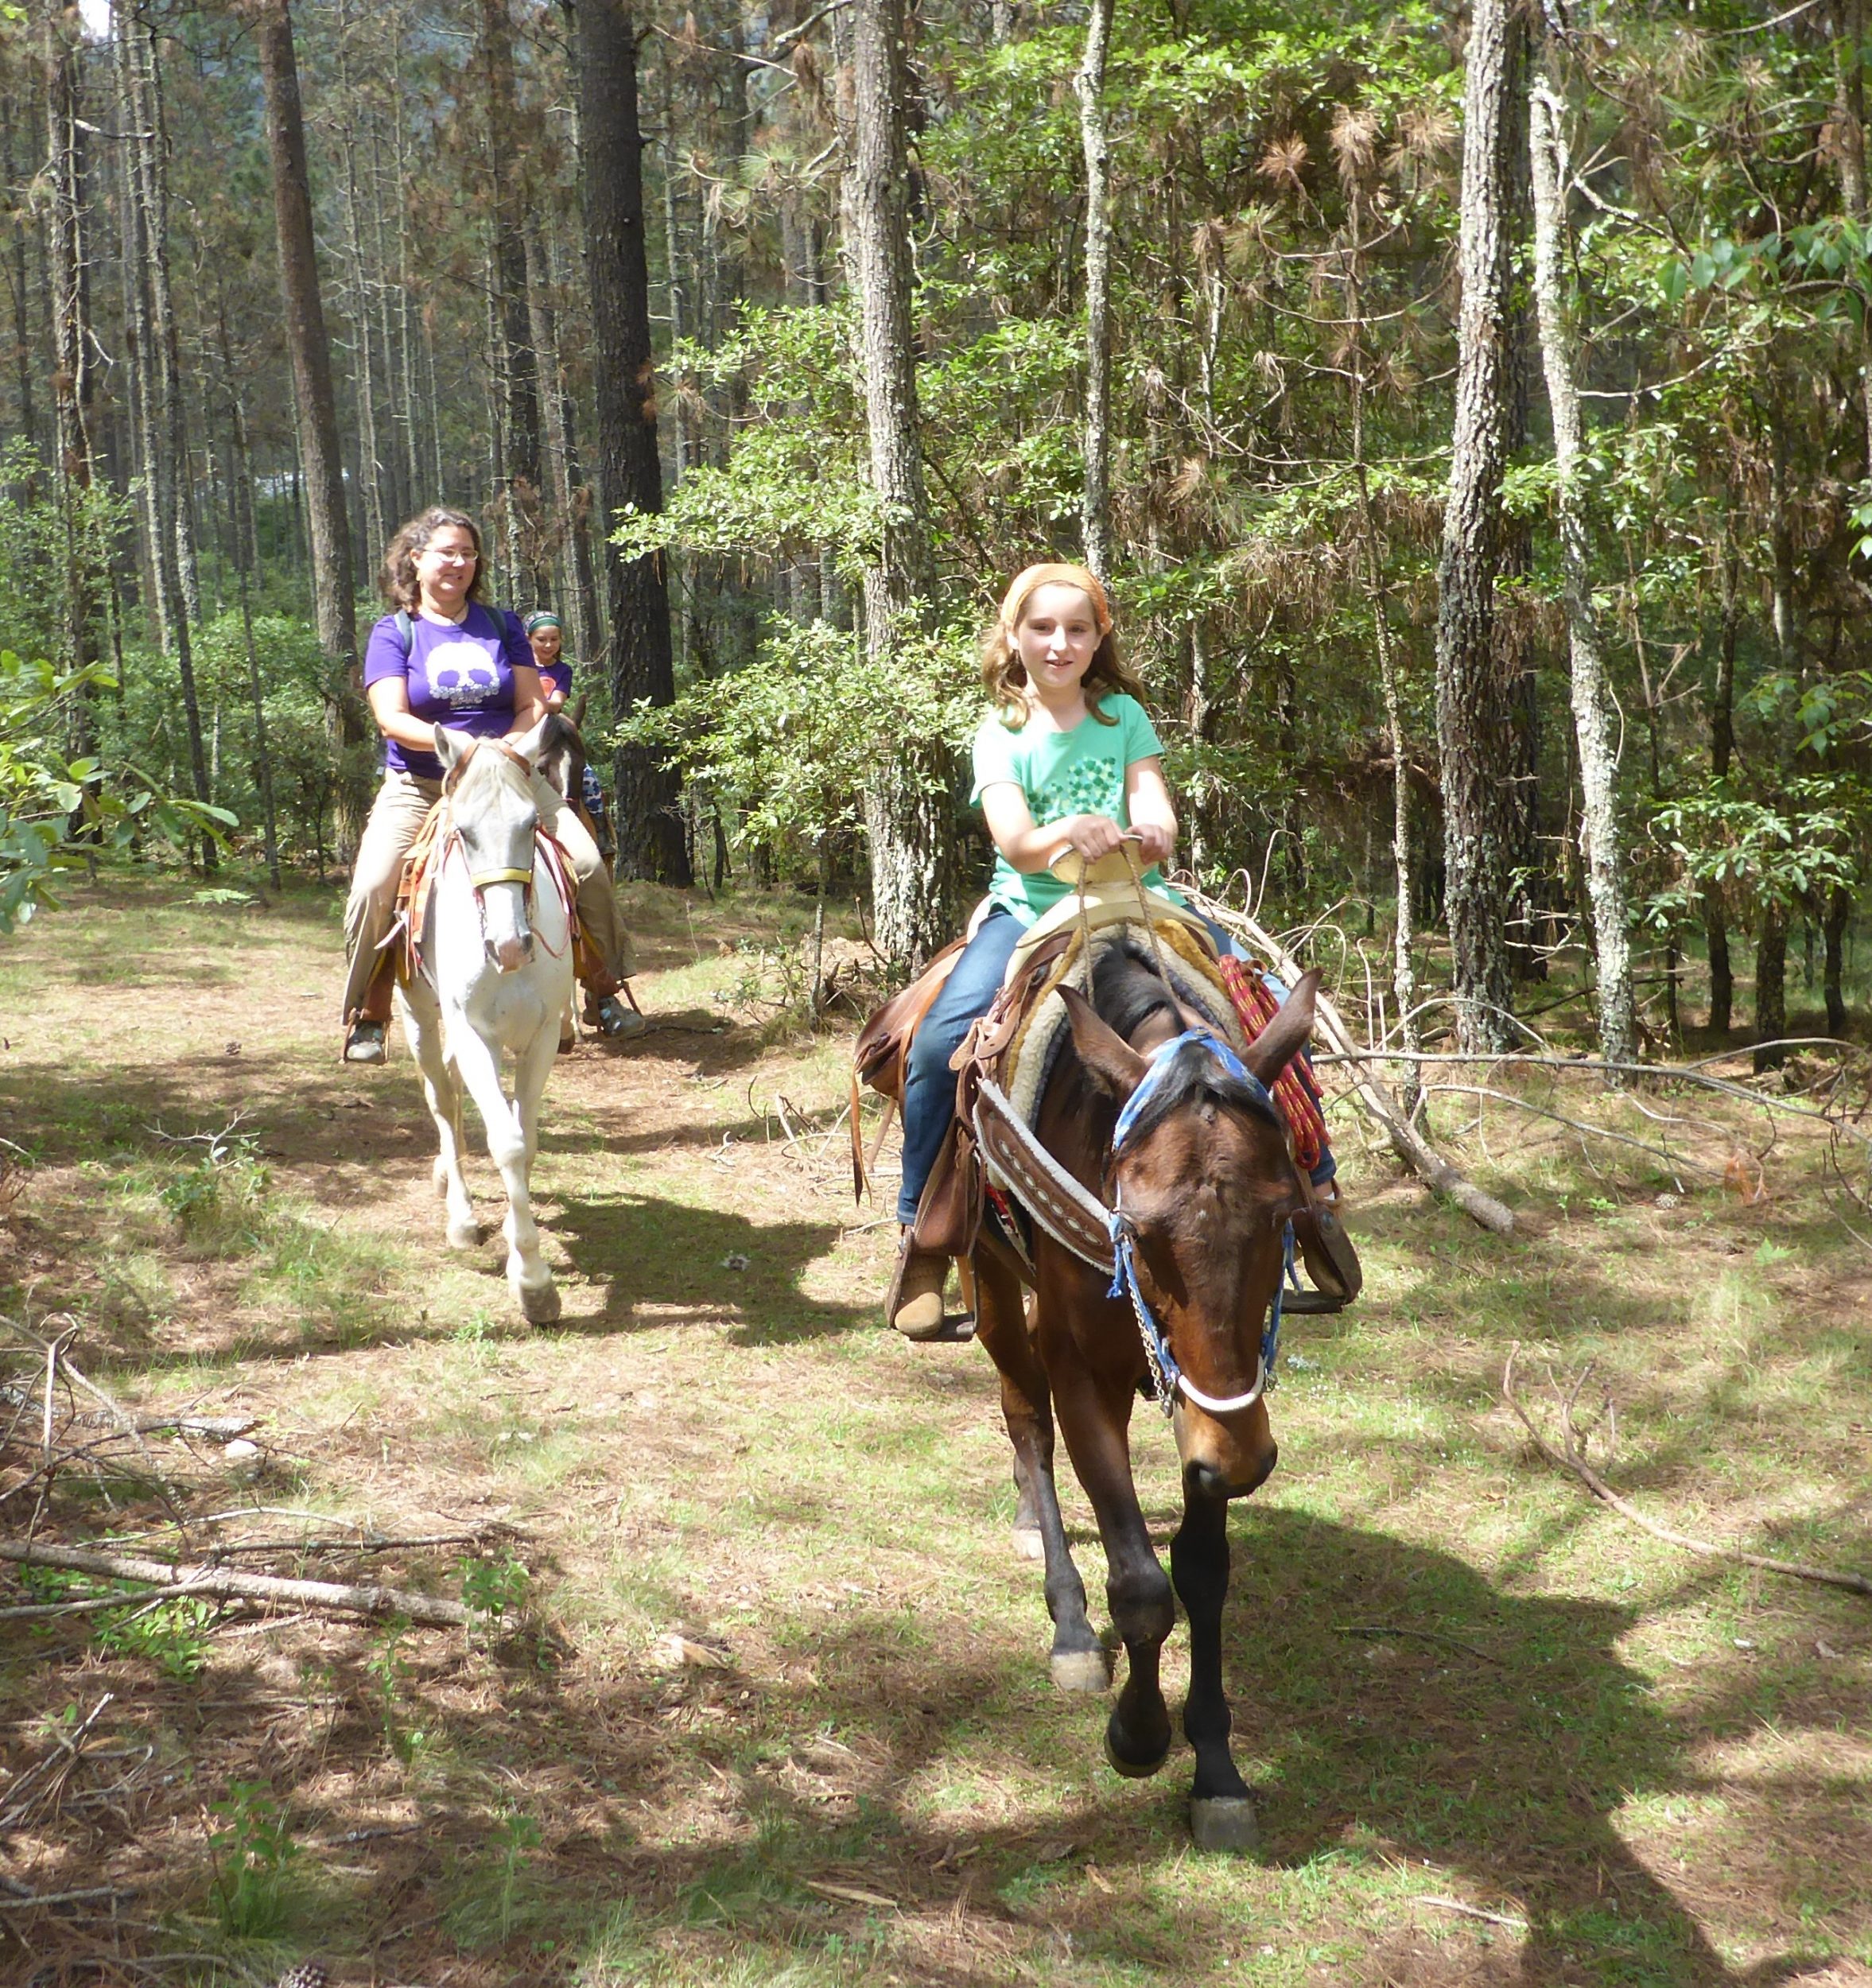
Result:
[402,804]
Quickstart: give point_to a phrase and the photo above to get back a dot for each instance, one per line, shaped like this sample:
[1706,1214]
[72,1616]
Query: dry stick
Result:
[1430,1167]
[249,1587]
[1575,1124]
[98,1602]
[1422,1636]
[1573,1461]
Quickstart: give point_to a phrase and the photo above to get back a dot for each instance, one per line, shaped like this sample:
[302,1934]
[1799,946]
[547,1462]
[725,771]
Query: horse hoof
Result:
[1133,1770]
[1081,1670]
[1226,1824]
[465,1235]
[541,1306]
[1028,1545]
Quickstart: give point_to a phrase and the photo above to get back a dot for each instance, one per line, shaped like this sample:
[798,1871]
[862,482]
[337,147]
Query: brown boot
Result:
[913,1303]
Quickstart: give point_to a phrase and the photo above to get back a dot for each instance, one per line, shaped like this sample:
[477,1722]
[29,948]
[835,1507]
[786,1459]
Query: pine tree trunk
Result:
[1771,987]
[72,382]
[1095,503]
[140,366]
[364,379]
[1602,839]
[329,527]
[1474,723]
[650,834]
[574,548]
[908,809]
[1403,973]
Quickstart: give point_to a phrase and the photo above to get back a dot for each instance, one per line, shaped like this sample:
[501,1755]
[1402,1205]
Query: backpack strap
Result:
[405,630]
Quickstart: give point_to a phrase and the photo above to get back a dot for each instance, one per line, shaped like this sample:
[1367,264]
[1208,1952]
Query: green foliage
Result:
[493,1589]
[1786,851]
[790,743]
[218,1201]
[389,1671]
[251,1849]
[56,811]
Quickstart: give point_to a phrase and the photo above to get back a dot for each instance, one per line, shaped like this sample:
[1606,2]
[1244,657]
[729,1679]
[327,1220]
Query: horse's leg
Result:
[1077,1660]
[1222,1811]
[528,1276]
[1094,1418]
[422,1024]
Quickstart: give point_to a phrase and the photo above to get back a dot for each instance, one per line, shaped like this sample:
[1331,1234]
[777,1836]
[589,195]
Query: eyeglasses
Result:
[452,558]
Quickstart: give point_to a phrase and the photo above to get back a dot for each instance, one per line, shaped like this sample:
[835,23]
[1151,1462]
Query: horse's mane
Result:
[1127,991]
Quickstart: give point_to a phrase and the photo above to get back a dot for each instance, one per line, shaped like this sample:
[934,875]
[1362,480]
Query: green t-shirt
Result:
[1062,773]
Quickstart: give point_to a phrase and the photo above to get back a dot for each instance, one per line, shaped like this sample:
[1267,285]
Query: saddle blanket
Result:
[1230,995]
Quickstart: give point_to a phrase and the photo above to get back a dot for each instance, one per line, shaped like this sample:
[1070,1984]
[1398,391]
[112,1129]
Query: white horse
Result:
[496,953]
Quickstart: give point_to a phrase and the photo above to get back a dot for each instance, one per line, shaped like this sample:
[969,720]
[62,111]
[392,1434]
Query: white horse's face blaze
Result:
[495,815]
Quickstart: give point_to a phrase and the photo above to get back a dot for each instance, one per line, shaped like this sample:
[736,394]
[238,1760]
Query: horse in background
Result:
[494,944]
[1158,1119]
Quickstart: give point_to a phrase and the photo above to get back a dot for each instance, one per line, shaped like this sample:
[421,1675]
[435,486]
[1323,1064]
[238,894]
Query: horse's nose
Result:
[513,951]
[1209,1481]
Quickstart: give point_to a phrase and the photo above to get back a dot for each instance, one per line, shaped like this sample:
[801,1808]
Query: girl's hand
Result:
[1090,836]
[1155,843]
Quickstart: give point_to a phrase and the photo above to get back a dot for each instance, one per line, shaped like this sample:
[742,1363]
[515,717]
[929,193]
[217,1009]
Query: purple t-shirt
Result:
[461,676]
[558,674]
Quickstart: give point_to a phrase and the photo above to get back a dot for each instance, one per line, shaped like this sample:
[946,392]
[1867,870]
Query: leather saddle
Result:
[949,1218]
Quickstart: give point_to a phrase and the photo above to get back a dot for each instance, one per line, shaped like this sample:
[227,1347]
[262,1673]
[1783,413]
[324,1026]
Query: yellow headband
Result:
[1028,583]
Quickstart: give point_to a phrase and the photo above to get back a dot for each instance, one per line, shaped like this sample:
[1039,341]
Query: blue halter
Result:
[1165,1373]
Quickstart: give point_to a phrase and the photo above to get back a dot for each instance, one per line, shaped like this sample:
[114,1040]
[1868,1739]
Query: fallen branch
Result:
[1471,1911]
[1430,1167]
[222,1585]
[1574,1460]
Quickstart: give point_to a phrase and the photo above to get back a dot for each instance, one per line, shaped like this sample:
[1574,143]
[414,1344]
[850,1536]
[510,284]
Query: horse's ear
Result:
[577,712]
[450,747]
[1283,1039]
[1114,1065]
[531,745]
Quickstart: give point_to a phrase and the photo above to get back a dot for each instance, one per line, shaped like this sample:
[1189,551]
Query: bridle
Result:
[1169,1378]
[480,881]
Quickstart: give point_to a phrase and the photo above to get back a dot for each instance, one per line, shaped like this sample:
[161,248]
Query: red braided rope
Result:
[1295,1096]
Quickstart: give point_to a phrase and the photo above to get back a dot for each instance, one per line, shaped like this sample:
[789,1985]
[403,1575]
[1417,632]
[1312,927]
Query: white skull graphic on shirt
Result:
[459,673]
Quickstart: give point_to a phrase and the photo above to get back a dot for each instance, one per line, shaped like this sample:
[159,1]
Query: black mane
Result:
[1127,991]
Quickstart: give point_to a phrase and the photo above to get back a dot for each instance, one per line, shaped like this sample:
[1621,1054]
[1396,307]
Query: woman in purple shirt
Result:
[442,657]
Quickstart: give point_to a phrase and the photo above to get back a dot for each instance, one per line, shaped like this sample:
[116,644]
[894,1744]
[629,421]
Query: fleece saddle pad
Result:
[1195,978]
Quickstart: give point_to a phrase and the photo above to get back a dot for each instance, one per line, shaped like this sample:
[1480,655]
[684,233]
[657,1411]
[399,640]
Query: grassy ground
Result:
[778,1710]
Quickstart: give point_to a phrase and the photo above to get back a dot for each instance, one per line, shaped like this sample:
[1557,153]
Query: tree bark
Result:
[1095,498]
[1771,987]
[73,387]
[908,811]
[573,545]
[1474,731]
[1601,841]
[650,834]
[1403,973]
[329,527]
[519,375]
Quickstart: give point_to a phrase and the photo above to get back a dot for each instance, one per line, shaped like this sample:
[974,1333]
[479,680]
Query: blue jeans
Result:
[930,1084]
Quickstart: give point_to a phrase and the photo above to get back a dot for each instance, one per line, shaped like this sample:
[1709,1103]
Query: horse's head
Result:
[489,786]
[1203,1180]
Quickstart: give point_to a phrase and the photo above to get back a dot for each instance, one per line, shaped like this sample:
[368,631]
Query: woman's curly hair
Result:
[396,577]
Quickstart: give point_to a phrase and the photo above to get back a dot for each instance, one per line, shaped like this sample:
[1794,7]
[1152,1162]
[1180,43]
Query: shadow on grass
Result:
[685,1826]
[662,1263]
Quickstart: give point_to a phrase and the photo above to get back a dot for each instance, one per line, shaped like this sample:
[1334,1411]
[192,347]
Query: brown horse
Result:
[1203,1188]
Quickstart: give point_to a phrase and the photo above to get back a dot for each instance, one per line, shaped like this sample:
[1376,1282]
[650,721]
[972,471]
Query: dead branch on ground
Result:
[222,1584]
[1571,1458]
